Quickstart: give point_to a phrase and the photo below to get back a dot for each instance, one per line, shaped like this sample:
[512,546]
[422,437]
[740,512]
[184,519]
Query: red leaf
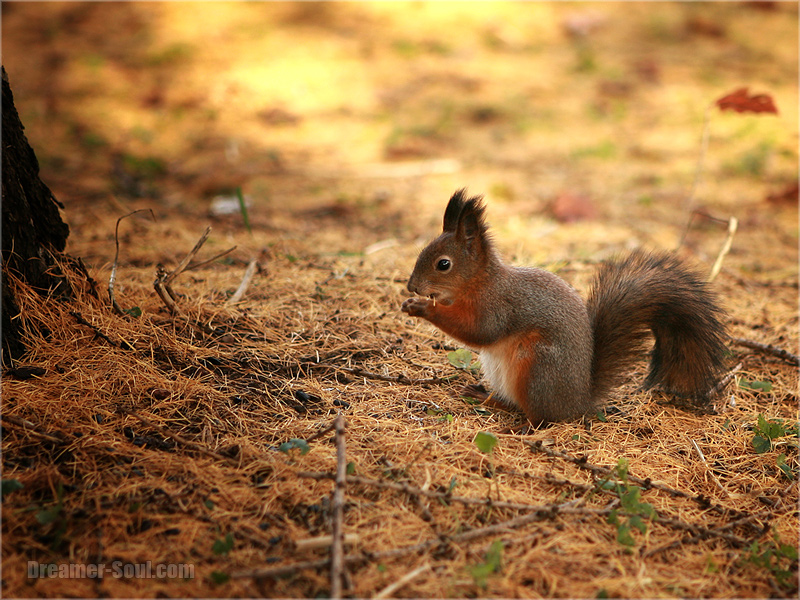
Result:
[570,207]
[741,101]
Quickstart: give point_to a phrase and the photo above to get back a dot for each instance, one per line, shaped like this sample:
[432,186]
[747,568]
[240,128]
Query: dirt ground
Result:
[203,438]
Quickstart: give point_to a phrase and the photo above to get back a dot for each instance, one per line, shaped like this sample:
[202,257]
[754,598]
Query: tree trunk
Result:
[33,232]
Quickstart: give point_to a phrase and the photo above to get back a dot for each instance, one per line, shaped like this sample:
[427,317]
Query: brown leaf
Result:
[741,101]
[569,207]
[788,195]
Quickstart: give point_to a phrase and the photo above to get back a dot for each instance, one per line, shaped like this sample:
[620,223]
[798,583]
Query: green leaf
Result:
[243,209]
[621,469]
[624,536]
[134,311]
[761,444]
[218,577]
[223,546]
[351,468]
[209,504]
[788,551]
[9,486]
[485,441]
[772,429]
[480,572]
[780,460]
[462,359]
[756,386]
[711,566]
[630,499]
[453,484]
[636,521]
[48,515]
[295,443]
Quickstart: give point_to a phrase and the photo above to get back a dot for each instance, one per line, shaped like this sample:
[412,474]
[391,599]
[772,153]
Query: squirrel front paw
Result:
[416,306]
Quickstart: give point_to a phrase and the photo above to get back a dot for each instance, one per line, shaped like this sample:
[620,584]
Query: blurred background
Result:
[581,122]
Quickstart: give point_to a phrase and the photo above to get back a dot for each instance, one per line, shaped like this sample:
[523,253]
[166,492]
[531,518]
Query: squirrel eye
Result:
[443,264]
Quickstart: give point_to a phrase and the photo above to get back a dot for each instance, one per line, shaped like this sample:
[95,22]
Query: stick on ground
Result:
[337,546]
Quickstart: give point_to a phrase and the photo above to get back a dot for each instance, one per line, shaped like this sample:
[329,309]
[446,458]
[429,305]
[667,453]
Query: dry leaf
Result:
[741,101]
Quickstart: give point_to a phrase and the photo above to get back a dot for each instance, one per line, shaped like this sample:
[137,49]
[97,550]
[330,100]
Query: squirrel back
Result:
[542,349]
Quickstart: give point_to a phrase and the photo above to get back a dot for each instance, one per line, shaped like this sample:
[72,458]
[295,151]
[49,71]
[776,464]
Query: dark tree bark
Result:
[33,231]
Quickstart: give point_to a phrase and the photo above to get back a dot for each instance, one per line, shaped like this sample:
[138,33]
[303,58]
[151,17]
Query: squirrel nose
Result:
[411,286]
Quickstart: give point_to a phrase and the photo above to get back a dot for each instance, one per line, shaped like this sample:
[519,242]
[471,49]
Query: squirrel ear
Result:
[453,211]
[472,227]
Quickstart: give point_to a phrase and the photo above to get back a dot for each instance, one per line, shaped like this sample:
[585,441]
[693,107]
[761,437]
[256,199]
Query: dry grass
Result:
[349,125]
[162,439]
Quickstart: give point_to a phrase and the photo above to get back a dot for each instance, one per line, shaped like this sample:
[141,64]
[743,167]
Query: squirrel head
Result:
[459,256]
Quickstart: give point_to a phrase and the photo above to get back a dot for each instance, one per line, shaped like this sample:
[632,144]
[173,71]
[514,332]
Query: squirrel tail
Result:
[656,292]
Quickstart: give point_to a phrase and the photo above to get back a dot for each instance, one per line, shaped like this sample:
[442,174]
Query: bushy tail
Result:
[655,292]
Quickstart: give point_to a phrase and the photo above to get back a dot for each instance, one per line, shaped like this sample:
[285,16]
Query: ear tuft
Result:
[472,222]
[453,210]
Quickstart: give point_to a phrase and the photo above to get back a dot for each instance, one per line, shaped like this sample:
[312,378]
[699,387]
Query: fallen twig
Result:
[733,225]
[248,276]
[768,349]
[709,471]
[182,440]
[358,372]
[80,319]
[396,585]
[337,506]
[363,557]
[718,531]
[164,279]
[113,277]
[33,428]
[646,483]
[324,541]
[723,383]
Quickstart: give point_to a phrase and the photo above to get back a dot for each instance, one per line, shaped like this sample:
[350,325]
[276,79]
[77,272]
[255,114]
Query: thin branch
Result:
[723,383]
[396,585]
[182,440]
[203,263]
[348,559]
[358,372]
[187,259]
[82,320]
[337,506]
[34,429]
[113,277]
[443,496]
[646,483]
[709,471]
[248,276]
[768,349]
[733,225]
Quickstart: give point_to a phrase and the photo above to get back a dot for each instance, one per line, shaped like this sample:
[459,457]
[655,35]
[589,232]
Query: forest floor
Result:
[204,439]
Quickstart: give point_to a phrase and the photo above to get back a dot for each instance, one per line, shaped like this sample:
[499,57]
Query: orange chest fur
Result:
[459,320]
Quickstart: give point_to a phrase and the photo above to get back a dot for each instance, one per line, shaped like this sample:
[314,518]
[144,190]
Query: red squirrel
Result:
[541,348]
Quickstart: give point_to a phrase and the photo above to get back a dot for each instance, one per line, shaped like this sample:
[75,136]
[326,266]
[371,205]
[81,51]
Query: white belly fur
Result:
[498,375]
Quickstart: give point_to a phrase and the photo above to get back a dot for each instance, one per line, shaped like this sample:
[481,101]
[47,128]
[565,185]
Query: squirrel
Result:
[545,351]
